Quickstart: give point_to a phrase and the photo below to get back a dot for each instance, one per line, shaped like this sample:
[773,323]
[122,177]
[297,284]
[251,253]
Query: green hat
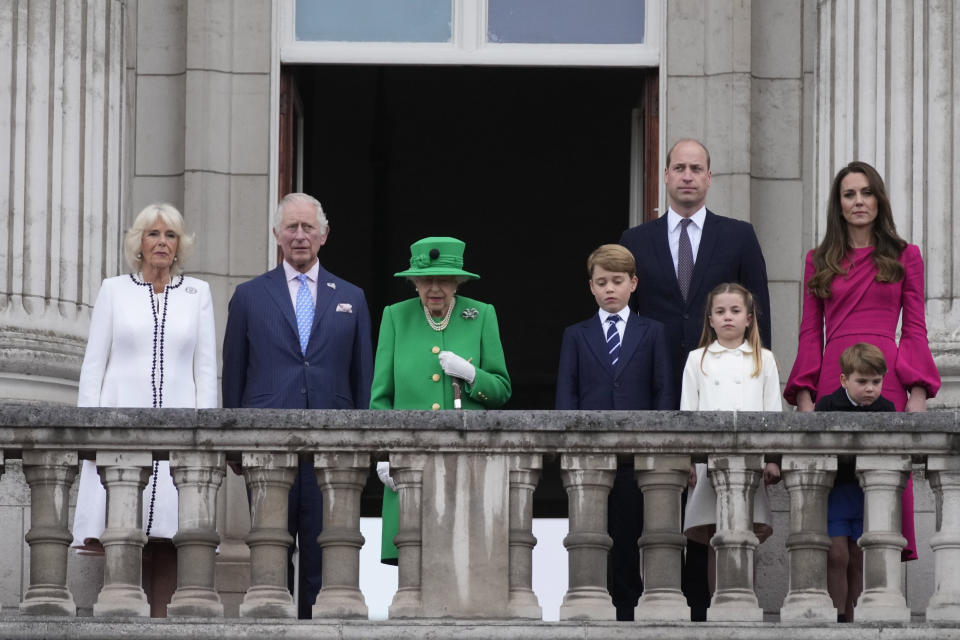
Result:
[436,257]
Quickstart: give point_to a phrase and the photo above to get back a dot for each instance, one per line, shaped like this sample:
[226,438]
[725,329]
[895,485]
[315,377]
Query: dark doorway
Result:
[529,167]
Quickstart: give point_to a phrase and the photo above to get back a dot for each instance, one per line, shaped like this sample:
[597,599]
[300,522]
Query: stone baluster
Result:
[342,477]
[588,479]
[524,474]
[50,475]
[124,475]
[808,480]
[662,480]
[883,478]
[197,476]
[407,472]
[268,477]
[735,479]
[943,473]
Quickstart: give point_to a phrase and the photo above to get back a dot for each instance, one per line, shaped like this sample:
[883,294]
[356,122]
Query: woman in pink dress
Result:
[857,283]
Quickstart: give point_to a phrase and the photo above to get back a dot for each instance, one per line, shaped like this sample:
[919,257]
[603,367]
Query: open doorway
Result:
[531,167]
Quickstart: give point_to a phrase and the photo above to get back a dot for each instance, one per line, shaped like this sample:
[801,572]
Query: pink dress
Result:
[860,309]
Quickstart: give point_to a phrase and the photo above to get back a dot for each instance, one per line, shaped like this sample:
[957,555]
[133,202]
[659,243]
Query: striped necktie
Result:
[613,340]
[304,313]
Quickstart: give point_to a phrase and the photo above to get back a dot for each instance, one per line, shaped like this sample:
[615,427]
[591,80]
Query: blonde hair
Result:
[612,257]
[146,218]
[752,335]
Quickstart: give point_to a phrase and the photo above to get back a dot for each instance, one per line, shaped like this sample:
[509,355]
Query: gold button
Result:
[436,406]
[436,349]
[436,377]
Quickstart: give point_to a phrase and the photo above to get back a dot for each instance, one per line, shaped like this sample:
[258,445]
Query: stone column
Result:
[124,475]
[883,479]
[887,94]
[342,477]
[524,474]
[61,93]
[808,480]
[943,472]
[197,476]
[662,478]
[407,472]
[50,475]
[588,479]
[269,477]
[735,479]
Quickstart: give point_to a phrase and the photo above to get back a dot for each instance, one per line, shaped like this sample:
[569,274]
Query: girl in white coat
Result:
[731,371]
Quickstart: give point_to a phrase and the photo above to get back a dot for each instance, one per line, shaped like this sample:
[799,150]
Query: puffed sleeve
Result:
[491,386]
[98,348]
[205,358]
[382,389]
[690,390]
[771,383]
[806,368]
[915,366]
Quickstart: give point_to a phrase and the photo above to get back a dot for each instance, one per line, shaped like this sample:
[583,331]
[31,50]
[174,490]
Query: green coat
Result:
[407,372]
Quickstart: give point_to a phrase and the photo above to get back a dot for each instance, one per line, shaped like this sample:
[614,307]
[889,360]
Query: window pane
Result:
[374,20]
[566,21]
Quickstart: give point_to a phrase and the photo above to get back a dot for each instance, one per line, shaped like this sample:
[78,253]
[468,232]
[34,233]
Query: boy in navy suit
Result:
[617,360]
[862,369]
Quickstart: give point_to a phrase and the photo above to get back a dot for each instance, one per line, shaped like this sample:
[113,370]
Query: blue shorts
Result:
[845,511]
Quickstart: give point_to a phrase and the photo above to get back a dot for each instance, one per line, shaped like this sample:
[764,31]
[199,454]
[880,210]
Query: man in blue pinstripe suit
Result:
[298,337]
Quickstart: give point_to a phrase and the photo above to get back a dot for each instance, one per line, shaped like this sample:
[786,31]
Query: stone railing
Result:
[465,482]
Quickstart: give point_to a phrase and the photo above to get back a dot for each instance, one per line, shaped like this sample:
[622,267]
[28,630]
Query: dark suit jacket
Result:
[262,363]
[642,379]
[728,252]
[838,401]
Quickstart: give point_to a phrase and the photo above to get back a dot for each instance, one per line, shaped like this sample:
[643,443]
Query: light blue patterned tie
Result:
[613,340]
[304,312]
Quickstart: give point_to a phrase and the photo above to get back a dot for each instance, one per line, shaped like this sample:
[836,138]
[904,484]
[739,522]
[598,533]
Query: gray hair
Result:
[322,223]
[146,218]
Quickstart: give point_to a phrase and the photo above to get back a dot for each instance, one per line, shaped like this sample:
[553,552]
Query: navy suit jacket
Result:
[262,363]
[642,379]
[728,252]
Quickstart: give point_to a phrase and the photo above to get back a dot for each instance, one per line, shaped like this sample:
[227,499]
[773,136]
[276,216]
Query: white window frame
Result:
[470,46]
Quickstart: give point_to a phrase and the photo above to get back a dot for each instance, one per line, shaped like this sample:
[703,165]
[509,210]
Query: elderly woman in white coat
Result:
[152,343]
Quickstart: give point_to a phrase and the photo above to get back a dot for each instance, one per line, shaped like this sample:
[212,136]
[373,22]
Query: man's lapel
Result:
[279,292]
[664,259]
[709,237]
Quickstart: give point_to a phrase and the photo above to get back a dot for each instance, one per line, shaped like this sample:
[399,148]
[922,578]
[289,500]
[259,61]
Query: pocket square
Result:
[344,307]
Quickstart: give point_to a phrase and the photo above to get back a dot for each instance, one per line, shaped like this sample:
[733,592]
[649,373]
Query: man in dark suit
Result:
[298,337]
[681,257]
[617,360]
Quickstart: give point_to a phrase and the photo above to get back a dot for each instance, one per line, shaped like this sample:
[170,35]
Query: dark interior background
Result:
[528,166]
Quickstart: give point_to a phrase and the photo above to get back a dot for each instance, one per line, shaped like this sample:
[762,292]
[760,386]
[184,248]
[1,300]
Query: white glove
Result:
[456,367]
[383,471]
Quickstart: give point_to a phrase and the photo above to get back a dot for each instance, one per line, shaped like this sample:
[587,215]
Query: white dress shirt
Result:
[293,284]
[621,326]
[694,231]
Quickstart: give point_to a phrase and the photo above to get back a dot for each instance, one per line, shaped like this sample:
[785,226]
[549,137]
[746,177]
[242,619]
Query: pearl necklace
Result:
[446,319]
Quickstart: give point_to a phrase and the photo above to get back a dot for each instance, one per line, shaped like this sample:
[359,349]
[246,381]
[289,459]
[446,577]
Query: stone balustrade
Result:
[465,483]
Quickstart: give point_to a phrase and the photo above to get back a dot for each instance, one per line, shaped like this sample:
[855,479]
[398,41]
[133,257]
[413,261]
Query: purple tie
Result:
[684,259]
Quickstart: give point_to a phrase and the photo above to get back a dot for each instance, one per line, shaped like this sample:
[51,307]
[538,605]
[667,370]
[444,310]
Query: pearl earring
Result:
[139,256]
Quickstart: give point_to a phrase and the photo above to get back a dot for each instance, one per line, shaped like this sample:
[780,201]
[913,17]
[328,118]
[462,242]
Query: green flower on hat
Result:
[436,256]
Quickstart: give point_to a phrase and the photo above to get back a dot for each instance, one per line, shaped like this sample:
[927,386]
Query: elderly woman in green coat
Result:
[431,343]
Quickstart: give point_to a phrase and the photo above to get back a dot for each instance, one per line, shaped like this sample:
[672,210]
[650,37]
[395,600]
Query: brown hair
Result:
[612,257]
[752,336]
[863,357]
[830,257]
[695,141]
